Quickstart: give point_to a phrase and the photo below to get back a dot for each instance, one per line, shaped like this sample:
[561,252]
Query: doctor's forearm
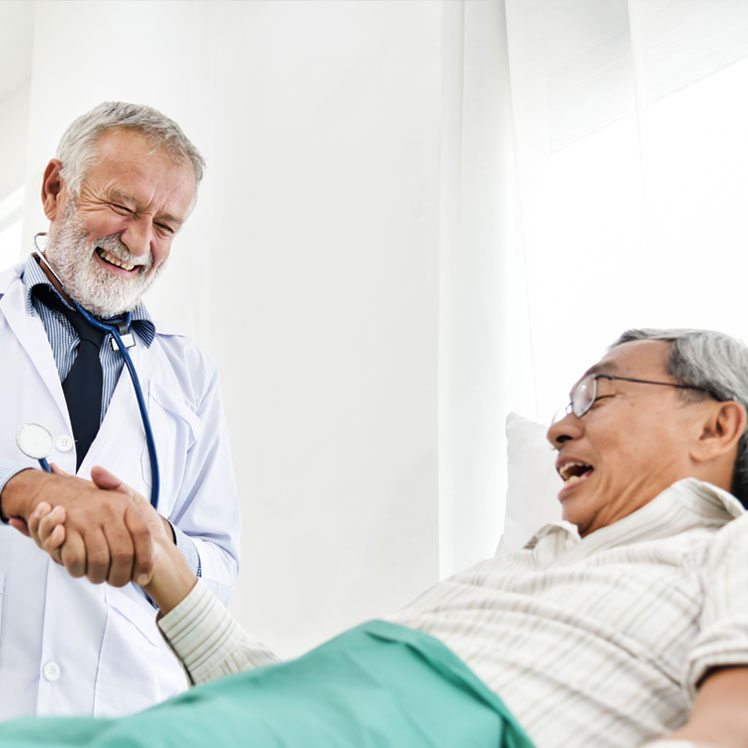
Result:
[22,493]
[8,470]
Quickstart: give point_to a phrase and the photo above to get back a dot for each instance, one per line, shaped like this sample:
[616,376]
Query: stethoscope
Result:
[35,441]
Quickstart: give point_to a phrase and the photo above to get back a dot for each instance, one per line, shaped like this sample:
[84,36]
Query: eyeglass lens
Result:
[584,395]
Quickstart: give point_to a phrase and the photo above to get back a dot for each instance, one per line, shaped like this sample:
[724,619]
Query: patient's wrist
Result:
[172,578]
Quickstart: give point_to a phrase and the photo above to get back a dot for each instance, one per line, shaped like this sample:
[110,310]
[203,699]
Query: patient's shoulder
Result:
[729,547]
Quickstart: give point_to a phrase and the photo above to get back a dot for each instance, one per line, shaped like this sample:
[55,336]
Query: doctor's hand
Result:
[107,537]
[171,579]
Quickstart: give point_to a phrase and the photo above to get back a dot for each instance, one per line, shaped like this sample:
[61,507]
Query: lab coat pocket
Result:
[176,428]
[136,668]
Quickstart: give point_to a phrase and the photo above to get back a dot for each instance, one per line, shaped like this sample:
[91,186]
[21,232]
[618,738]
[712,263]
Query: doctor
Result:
[123,182]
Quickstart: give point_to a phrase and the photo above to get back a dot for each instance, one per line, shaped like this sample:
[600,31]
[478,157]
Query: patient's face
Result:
[632,443]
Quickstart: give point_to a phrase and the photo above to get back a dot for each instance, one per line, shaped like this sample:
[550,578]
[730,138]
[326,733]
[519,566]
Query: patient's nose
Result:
[563,430]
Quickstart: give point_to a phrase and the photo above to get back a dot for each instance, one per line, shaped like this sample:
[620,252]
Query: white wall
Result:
[310,269]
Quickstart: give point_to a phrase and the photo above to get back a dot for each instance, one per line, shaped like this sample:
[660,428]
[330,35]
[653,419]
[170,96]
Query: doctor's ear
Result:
[723,425]
[52,189]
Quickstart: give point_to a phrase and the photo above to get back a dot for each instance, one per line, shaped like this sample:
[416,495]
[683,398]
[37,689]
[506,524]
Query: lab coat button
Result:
[64,443]
[51,671]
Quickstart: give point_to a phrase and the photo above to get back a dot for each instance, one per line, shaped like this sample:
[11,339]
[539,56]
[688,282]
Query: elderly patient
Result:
[625,623]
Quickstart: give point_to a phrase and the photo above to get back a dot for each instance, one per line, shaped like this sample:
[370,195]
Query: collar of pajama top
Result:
[703,505]
[64,339]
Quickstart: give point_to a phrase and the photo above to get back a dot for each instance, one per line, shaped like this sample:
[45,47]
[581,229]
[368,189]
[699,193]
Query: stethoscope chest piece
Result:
[36,442]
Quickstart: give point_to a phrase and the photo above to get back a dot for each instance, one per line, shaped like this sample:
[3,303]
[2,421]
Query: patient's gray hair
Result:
[715,363]
[76,149]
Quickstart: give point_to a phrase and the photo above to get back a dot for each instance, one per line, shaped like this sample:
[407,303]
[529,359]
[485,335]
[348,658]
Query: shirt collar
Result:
[33,275]
[687,504]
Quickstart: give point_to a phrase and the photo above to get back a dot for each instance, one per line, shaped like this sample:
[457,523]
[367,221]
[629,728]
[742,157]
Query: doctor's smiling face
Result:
[635,441]
[109,242]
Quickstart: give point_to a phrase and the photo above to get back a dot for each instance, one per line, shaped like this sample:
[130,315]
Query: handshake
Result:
[101,529]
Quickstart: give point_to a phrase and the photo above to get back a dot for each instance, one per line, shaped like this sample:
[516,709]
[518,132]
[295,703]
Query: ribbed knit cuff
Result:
[208,640]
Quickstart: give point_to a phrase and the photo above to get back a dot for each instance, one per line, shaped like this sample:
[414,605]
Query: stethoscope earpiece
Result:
[38,248]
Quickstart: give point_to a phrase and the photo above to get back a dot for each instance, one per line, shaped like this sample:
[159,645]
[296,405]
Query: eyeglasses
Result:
[584,394]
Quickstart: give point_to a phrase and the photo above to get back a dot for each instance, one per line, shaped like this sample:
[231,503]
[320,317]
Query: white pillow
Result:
[532,483]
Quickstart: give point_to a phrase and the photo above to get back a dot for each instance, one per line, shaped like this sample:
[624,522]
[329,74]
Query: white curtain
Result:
[599,181]
[478,308]
[631,126]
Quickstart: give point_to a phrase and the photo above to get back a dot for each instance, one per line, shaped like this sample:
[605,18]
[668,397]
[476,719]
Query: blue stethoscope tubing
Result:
[150,442]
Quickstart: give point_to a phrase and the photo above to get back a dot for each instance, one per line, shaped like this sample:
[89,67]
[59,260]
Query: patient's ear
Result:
[721,428]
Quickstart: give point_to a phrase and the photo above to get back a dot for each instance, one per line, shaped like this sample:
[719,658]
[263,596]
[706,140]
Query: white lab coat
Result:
[68,646]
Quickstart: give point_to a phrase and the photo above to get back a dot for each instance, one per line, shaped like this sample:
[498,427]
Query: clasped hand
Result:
[100,529]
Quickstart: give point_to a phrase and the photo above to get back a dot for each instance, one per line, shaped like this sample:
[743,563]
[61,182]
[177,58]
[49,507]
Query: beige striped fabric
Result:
[596,641]
[600,641]
[208,640]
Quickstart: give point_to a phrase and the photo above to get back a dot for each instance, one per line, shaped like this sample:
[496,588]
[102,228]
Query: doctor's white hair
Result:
[715,363]
[77,147]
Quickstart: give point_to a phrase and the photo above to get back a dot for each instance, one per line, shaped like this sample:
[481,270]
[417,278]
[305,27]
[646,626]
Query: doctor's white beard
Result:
[70,251]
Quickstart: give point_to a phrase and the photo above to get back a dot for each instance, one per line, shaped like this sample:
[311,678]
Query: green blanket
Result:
[376,685]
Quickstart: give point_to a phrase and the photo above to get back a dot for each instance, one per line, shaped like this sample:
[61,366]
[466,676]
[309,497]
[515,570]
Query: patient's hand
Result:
[172,578]
[46,526]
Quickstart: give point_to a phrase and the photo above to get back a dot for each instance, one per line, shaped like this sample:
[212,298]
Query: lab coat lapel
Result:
[142,358]
[31,336]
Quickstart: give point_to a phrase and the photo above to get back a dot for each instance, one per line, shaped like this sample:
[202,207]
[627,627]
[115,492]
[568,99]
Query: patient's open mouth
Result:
[109,258]
[573,472]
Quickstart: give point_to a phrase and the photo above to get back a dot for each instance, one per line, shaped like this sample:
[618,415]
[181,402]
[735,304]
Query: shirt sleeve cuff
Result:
[208,639]
[188,549]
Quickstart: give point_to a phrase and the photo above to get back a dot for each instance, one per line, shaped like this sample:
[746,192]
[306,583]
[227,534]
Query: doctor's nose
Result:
[138,236]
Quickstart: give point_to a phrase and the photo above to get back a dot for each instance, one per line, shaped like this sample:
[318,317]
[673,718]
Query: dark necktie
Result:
[83,385]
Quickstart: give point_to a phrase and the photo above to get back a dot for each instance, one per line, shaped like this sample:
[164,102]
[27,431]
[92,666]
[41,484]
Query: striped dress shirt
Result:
[595,641]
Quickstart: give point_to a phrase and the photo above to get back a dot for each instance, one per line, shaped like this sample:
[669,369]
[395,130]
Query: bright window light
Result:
[642,223]
[11,212]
